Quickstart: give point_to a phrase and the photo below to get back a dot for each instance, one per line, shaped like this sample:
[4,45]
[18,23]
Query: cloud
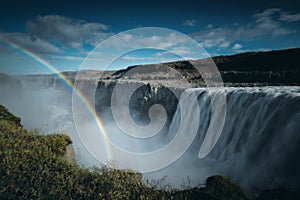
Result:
[160,57]
[237,46]
[66,31]
[270,22]
[283,15]
[181,51]
[209,26]
[178,51]
[290,17]
[224,45]
[34,45]
[135,58]
[141,41]
[190,22]
[266,14]
[70,58]
[156,56]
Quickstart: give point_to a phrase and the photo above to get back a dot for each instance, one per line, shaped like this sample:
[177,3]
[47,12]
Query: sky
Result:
[63,34]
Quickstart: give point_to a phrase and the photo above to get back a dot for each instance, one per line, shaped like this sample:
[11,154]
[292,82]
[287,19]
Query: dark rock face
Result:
[103,95]
[279,194]
[6,80]
[44,81]
[146,96]
[70,154]
[217,188]
[8,85]
[140,102]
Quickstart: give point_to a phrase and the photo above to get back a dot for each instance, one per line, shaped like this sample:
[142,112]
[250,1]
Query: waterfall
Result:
[258,145]
[259,142]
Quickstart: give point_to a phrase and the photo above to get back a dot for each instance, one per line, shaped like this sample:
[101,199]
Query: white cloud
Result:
[224,45]
[159,57]
[290,17]
[237,46]
[71,58]
[69,32]
[142,41]
[176,53]
[34,45]
[135,58]
[269,22]
[190,22]
[266,14]
[208,43]
[181,50]
[209,26]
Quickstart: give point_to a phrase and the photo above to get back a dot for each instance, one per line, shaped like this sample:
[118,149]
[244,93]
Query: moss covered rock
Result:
[224,188]
[218,188]
[6,115]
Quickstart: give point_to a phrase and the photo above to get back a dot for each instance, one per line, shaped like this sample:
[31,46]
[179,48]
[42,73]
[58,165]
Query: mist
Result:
[257,148]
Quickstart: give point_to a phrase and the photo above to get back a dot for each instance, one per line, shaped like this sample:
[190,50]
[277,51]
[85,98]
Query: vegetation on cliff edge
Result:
[32,166]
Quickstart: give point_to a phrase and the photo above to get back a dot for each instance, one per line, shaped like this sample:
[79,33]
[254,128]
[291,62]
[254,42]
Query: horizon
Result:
[125,67]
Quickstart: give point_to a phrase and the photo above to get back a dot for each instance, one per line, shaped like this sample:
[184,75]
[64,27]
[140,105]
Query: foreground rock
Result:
[219,188]
[278,194]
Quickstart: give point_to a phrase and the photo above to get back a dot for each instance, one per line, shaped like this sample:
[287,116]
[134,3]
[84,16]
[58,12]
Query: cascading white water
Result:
[259,144]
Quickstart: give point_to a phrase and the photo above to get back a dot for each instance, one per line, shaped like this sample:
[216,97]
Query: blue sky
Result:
[63,33]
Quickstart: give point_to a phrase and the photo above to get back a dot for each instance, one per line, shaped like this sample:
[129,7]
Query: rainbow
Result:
[70,84]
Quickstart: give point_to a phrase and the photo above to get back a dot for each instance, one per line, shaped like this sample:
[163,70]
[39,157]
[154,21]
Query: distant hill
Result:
[277,67]
[276,60]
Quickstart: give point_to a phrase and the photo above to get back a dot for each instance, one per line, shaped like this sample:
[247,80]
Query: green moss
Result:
[217,188]
[223,188]
[6,115]
[57,143]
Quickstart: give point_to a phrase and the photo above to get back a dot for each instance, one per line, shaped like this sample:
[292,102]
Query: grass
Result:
[32,167]
[7,116]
